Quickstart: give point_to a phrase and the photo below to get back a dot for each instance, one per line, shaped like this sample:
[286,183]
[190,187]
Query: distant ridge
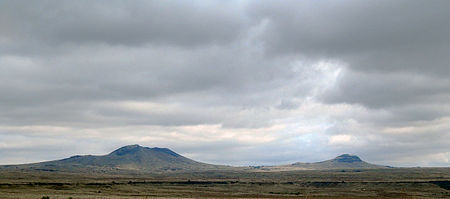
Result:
[347,158]
[344,161]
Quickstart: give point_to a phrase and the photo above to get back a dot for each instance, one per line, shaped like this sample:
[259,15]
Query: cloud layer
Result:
[236,82]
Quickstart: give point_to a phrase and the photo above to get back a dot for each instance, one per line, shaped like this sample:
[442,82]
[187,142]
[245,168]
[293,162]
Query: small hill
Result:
[344,161]
[132,158]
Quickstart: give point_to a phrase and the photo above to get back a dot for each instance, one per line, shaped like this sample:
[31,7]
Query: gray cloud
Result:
[381,90]
[123,23]
[293,78]
[71,87]
[372,36]
[395,52]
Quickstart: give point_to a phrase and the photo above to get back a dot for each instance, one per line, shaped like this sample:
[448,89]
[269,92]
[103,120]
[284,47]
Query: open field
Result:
[371,183]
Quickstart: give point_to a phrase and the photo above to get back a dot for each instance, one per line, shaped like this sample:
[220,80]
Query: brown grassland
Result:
[370,183]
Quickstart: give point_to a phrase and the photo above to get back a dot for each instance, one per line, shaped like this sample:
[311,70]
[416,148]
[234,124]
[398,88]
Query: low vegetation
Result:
[365,183]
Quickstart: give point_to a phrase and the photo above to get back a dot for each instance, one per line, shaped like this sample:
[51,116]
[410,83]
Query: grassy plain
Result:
[369,183]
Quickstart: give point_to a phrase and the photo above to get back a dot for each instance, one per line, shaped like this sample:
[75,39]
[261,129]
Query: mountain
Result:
[128,158]
[344,161]
[138,159]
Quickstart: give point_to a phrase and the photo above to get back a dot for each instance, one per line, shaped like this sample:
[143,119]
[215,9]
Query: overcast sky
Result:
[227,82]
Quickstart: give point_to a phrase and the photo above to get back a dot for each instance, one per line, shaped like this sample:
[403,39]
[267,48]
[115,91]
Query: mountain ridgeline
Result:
[135,158]
[344,161]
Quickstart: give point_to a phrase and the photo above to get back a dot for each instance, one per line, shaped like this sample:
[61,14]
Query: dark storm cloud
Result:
[371,35]
[187,23]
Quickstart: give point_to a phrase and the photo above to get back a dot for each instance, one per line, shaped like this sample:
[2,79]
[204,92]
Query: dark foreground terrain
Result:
[351,183]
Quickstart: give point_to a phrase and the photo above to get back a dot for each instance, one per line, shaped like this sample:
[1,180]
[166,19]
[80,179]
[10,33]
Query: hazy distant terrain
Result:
[344,161]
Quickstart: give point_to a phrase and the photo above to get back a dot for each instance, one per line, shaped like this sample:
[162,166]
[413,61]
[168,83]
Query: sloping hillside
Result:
[128,158]
[344,161]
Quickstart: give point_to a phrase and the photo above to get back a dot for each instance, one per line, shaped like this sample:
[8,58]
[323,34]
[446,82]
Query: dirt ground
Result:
[382,183]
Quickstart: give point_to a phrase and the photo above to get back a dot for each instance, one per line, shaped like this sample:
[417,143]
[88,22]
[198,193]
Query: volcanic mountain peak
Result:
[130,149]
[131,158]
[140,150]
[347,158]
